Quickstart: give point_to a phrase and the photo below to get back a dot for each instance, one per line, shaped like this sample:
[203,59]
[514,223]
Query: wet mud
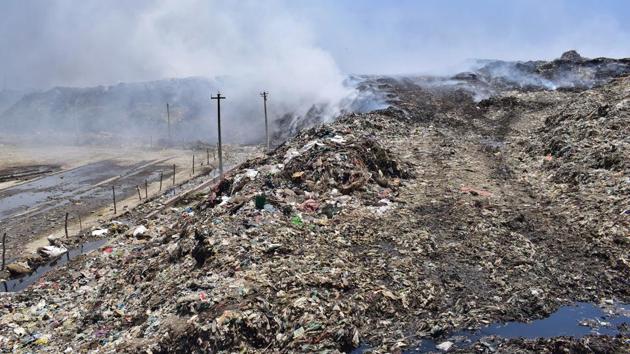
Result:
[38,206]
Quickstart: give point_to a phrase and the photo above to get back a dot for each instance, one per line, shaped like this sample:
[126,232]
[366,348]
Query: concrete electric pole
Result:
[264,96]
[168,122]
[218,97]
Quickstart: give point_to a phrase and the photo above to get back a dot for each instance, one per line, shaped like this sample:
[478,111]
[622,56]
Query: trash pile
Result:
[588,134]
[59,246]
[587,150]
[377,231]
[255,264]
[582,149]
[569,72]
[589,344]
[313,174]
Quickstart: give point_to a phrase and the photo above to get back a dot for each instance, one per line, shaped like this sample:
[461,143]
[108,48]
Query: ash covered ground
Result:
[470,200]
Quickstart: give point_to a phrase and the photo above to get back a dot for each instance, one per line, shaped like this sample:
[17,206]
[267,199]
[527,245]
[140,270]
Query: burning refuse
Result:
[101,115]
[207,177]
[380,220]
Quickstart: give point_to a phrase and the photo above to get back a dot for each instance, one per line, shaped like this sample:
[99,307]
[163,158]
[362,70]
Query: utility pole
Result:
[218,97]
[114,196]
[264,96]
[66,225]
[4,248]
[168,121]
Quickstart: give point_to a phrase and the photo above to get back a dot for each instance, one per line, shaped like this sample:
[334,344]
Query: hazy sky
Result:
[408,36]
[45,43]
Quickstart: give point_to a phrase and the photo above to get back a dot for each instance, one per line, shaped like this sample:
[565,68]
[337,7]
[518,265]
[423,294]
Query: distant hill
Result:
[125,108]
[105,114]
[137,111]
[8,98]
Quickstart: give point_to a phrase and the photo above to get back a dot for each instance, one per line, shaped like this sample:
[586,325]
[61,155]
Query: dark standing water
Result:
[567,321]
[59,187]
[22,283]
[564,322]
[38,207]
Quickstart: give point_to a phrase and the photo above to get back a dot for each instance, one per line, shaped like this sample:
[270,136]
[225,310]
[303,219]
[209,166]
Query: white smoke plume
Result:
[299,51]
[245,46]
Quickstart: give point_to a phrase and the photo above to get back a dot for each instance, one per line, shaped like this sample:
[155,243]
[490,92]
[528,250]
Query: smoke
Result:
[242,48]
[299,51]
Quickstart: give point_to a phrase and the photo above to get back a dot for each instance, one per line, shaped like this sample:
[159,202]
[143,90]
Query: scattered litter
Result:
[52,251]
[475,191]
[53,239]
[139,231]
[100,232]
[297,220]
[445,346]
[260,201]
[309,205]
[337,139]
[19,268]
[251,174]
[384,206]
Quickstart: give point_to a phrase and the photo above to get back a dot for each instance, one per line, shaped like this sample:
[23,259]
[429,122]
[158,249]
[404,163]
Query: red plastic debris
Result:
[475,191]
[309,205]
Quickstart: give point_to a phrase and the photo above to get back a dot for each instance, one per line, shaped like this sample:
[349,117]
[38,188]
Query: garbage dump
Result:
[380,230]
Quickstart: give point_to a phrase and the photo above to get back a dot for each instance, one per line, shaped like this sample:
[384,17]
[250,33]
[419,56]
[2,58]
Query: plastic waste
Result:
[52,251]
[100,232]
[139,231]
[260,201]
[297,220]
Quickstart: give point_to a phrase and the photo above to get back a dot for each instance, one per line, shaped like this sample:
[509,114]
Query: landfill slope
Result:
[378,230]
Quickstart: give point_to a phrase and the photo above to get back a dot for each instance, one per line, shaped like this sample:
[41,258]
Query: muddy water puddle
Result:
[56,189]
[26,172]
[577,320]
[37,207]
[22,283]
